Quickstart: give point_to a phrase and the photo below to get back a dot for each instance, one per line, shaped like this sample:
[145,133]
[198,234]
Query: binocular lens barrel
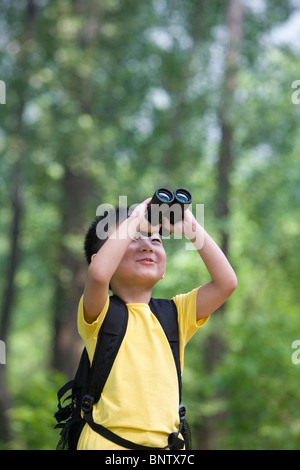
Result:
[166,203]
[163,195]
[183,196]
[182,199]
[160,202]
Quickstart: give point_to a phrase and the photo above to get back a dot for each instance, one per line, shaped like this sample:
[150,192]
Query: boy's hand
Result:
[140,213]
[186,227]
[140,210]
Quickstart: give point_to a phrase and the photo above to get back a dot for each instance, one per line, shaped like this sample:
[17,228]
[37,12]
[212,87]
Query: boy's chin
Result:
[149,279]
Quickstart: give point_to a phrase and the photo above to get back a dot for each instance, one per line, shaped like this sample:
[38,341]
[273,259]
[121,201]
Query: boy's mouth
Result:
[146,260]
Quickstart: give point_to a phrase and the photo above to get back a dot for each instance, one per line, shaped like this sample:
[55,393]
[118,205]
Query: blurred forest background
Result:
[107,98]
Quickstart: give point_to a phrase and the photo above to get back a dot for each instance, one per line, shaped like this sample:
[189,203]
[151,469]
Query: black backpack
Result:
[86,388]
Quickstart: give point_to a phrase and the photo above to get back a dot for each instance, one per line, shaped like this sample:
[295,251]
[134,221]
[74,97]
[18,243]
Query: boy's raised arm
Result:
[224,281]
[106,260]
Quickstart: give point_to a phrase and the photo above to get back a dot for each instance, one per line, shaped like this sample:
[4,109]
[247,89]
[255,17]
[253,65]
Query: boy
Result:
[140,399]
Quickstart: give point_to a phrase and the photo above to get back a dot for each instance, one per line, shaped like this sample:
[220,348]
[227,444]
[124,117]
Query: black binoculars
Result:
[168,204]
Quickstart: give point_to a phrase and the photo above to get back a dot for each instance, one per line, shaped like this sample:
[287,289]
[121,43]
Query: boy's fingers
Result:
[166,223]
[147,202]
[176,228]
[146,227]
[140,209]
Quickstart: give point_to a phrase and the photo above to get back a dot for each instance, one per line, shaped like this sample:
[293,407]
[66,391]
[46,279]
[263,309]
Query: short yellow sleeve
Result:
[89,331]
[187,322]
[186,308]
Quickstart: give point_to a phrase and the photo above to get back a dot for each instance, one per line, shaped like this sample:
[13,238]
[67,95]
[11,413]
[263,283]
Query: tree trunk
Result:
[77,191]
[9,295]
[235,15]
[210,435]
[70,278]
[17,212]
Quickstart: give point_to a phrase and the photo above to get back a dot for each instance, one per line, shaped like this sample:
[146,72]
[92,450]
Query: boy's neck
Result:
[134,296]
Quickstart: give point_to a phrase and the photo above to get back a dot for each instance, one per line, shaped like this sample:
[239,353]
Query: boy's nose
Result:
[146,245]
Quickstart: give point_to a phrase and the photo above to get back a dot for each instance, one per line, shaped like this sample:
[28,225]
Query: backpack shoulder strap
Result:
[109,340]
[166,312]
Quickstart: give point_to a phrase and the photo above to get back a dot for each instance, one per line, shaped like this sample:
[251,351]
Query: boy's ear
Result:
[93,256]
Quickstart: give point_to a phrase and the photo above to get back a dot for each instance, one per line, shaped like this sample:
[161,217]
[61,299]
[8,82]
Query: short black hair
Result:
[93,242]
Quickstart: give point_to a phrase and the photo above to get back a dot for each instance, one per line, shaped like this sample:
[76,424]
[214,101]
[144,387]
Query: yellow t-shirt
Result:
[139,401]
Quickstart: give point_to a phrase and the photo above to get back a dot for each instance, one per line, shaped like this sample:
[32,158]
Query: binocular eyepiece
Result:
[168,204]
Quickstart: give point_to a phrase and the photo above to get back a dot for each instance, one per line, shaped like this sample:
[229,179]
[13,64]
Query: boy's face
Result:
[144,262]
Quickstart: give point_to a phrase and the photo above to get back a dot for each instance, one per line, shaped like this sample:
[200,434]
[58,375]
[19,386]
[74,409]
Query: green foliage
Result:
[32,415]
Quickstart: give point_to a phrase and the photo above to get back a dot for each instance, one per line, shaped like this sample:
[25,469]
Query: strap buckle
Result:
[182,412]
[87,403]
